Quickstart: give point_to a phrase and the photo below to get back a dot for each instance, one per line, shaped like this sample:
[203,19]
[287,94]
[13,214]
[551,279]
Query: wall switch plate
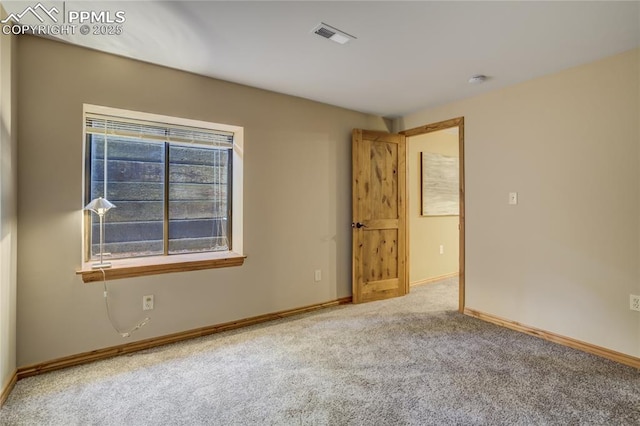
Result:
[634,302]
[147,302]
[441,249]
[513,198]
[317,276]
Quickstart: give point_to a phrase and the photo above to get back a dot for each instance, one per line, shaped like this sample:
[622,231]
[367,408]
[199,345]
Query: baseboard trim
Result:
[434,279]
[556,338]
[127,348]
[8,387]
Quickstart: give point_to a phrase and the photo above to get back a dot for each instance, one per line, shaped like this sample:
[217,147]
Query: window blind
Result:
[131,128]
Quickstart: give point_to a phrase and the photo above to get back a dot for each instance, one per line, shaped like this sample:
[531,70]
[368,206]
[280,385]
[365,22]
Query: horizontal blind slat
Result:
[114,126]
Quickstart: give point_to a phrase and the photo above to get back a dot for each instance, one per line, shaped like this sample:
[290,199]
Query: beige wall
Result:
[566,258]
[8,207]
[427,233]
[297,201]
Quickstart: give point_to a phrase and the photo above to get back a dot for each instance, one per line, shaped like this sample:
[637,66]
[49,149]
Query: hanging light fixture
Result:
[100,206]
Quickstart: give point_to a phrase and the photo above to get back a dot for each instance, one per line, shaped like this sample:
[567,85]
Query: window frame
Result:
[151,265]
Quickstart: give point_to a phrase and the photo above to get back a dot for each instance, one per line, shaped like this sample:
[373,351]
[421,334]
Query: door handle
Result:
[358,225]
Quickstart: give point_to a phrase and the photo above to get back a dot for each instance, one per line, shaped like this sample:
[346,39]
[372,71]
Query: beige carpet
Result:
[405,361]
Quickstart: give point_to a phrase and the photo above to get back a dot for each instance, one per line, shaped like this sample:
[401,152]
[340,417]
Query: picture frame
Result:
[440,194]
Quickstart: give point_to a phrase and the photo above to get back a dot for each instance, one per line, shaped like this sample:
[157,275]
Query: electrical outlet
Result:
[147,302]
[317,276]
[634,302]
[441,249]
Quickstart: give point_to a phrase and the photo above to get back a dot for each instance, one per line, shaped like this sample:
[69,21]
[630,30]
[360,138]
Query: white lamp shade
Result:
[99,206]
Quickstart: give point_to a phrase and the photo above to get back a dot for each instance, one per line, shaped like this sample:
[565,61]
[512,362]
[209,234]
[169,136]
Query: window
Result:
[176,184]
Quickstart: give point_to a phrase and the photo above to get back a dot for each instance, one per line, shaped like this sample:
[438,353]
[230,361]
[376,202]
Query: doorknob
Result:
[358,225]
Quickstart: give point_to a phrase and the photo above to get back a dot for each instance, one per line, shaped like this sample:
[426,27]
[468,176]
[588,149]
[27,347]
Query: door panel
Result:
[381,256]
[379,211]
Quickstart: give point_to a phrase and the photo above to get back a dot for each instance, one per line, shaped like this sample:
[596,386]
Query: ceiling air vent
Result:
[333,34]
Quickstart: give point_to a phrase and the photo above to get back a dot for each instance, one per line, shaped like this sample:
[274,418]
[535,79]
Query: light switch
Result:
[513,198]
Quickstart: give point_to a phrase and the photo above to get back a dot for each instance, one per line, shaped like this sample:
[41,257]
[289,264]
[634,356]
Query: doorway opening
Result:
[435,208]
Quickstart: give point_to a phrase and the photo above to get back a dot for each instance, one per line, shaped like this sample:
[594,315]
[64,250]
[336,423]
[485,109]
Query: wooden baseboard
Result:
[434,279]
[100,354]
[556,338]
[8,387]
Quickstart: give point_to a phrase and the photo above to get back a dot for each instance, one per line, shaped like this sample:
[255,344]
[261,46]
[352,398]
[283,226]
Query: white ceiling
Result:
[408,55]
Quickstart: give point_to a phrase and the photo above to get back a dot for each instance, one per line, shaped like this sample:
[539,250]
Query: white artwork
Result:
[440,187]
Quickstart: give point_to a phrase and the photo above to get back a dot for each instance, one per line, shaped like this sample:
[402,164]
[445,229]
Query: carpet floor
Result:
[406,361]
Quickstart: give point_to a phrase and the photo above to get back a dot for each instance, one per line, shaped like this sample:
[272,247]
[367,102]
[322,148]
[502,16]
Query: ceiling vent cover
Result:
[333,34]
[324,32]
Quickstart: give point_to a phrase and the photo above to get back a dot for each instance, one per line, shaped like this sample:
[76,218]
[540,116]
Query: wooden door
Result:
[379,216]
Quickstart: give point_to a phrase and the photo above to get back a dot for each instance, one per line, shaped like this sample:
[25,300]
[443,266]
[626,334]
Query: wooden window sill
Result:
[155,265]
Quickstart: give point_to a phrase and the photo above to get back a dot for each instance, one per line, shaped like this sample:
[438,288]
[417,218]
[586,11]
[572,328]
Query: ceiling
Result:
[407,56]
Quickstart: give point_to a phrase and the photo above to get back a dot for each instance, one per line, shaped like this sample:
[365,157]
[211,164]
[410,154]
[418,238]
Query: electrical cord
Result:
[106,302]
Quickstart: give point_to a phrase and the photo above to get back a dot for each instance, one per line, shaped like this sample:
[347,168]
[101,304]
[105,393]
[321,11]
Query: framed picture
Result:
[440,185]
